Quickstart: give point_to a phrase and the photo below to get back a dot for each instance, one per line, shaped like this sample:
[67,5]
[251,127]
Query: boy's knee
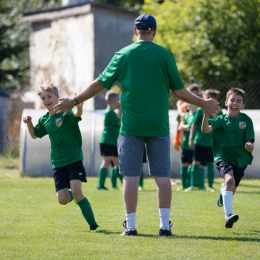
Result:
[63,201]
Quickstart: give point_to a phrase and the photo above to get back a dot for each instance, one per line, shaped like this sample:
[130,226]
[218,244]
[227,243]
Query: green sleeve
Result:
[39,129]
[250,134]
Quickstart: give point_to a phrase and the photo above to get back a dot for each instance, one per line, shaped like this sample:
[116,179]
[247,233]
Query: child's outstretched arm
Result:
[205,126]
[250,146]
[28,120]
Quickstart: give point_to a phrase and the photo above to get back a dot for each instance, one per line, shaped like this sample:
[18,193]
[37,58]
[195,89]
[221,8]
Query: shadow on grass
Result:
[247,239]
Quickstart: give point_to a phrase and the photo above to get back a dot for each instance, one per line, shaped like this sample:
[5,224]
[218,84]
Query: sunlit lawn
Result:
[35,226]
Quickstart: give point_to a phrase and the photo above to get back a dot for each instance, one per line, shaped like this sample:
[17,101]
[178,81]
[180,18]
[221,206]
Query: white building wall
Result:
[64,54]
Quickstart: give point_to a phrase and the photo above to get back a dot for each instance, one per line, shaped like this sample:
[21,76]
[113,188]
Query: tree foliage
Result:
[211,39]
[14,41]
[130,4]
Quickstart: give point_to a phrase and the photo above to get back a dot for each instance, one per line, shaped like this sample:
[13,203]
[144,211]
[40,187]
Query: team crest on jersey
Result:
[58,122]
[242,125]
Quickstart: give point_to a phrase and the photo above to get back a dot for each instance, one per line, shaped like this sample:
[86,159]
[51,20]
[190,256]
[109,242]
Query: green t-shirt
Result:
[147,72]
[230,135]
[111,128]
[187,120]
[65,137]
[201,138]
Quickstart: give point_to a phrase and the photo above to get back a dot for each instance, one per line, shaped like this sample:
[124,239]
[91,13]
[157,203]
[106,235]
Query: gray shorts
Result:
[130,155]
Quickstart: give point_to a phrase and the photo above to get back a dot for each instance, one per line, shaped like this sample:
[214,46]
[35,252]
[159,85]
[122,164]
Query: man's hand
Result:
[249,147]
[64,104]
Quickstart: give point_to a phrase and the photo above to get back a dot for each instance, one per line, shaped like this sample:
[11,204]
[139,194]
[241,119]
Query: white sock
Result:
[164,214]
[227,202]
[130,220]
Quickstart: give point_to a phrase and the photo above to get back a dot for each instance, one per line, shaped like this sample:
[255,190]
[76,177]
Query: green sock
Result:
[120,176]
[201,177]
[195,175]
[183,175]
[71,196]
[188,180]
[102,174]
[113,177]
[141,179]
[87,212]
[210,174]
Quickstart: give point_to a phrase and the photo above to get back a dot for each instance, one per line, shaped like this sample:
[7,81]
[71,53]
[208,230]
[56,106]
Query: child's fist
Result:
[26,119]
[249,147]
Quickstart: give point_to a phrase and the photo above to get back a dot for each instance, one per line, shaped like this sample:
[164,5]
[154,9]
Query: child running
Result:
[202,153]
[233,144]
[66,151]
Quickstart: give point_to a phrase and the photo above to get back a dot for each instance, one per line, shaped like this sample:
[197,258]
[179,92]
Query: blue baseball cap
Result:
[145,22]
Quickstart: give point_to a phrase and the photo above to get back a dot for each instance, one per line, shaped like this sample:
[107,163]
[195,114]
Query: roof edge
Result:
[65,11]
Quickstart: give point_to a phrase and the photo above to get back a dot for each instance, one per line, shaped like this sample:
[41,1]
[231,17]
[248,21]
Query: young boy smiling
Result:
[66,151]
[233,144]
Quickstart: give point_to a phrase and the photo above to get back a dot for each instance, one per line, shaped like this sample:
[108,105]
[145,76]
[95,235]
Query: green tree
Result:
[211,39]
[130,4]
[14,41]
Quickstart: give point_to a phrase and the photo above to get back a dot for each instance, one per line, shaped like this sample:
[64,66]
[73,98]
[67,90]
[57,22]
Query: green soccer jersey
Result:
[230,135]
[111,128]
[187,120]
[65,137]
[146,72]
[201,138]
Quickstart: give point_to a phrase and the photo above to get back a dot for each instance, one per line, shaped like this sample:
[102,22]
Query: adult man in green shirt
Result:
[147,72]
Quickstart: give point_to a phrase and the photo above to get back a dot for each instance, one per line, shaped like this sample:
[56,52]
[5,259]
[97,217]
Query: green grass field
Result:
[35,226]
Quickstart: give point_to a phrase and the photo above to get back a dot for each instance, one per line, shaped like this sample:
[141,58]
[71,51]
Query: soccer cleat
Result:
[211,189]
[140,188]
[130,232]
[95,229]
[230,220]
[220,198]
[102,188]
[163,232]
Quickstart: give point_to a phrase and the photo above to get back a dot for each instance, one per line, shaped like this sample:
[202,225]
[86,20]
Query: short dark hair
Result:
[193,87]
[237,91]
[211,93]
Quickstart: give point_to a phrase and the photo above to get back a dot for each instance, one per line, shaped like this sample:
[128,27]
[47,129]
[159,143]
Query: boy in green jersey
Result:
[187,151]
[233,144]
[202,145]
[66,152]
[108,141]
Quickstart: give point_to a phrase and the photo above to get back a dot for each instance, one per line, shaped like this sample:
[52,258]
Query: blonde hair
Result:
[237,91]
[47,85]
[111,95]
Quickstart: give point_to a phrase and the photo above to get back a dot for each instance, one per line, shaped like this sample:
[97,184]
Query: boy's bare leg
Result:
[63,196]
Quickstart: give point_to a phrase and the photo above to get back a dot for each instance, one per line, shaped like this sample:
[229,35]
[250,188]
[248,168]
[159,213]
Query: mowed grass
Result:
[35,226]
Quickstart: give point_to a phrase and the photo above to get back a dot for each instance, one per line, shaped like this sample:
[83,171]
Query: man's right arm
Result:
[65,104]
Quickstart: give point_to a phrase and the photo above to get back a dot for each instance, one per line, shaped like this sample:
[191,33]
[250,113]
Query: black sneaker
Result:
[230,220]
[166,232]
[130,232]
[102,188]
